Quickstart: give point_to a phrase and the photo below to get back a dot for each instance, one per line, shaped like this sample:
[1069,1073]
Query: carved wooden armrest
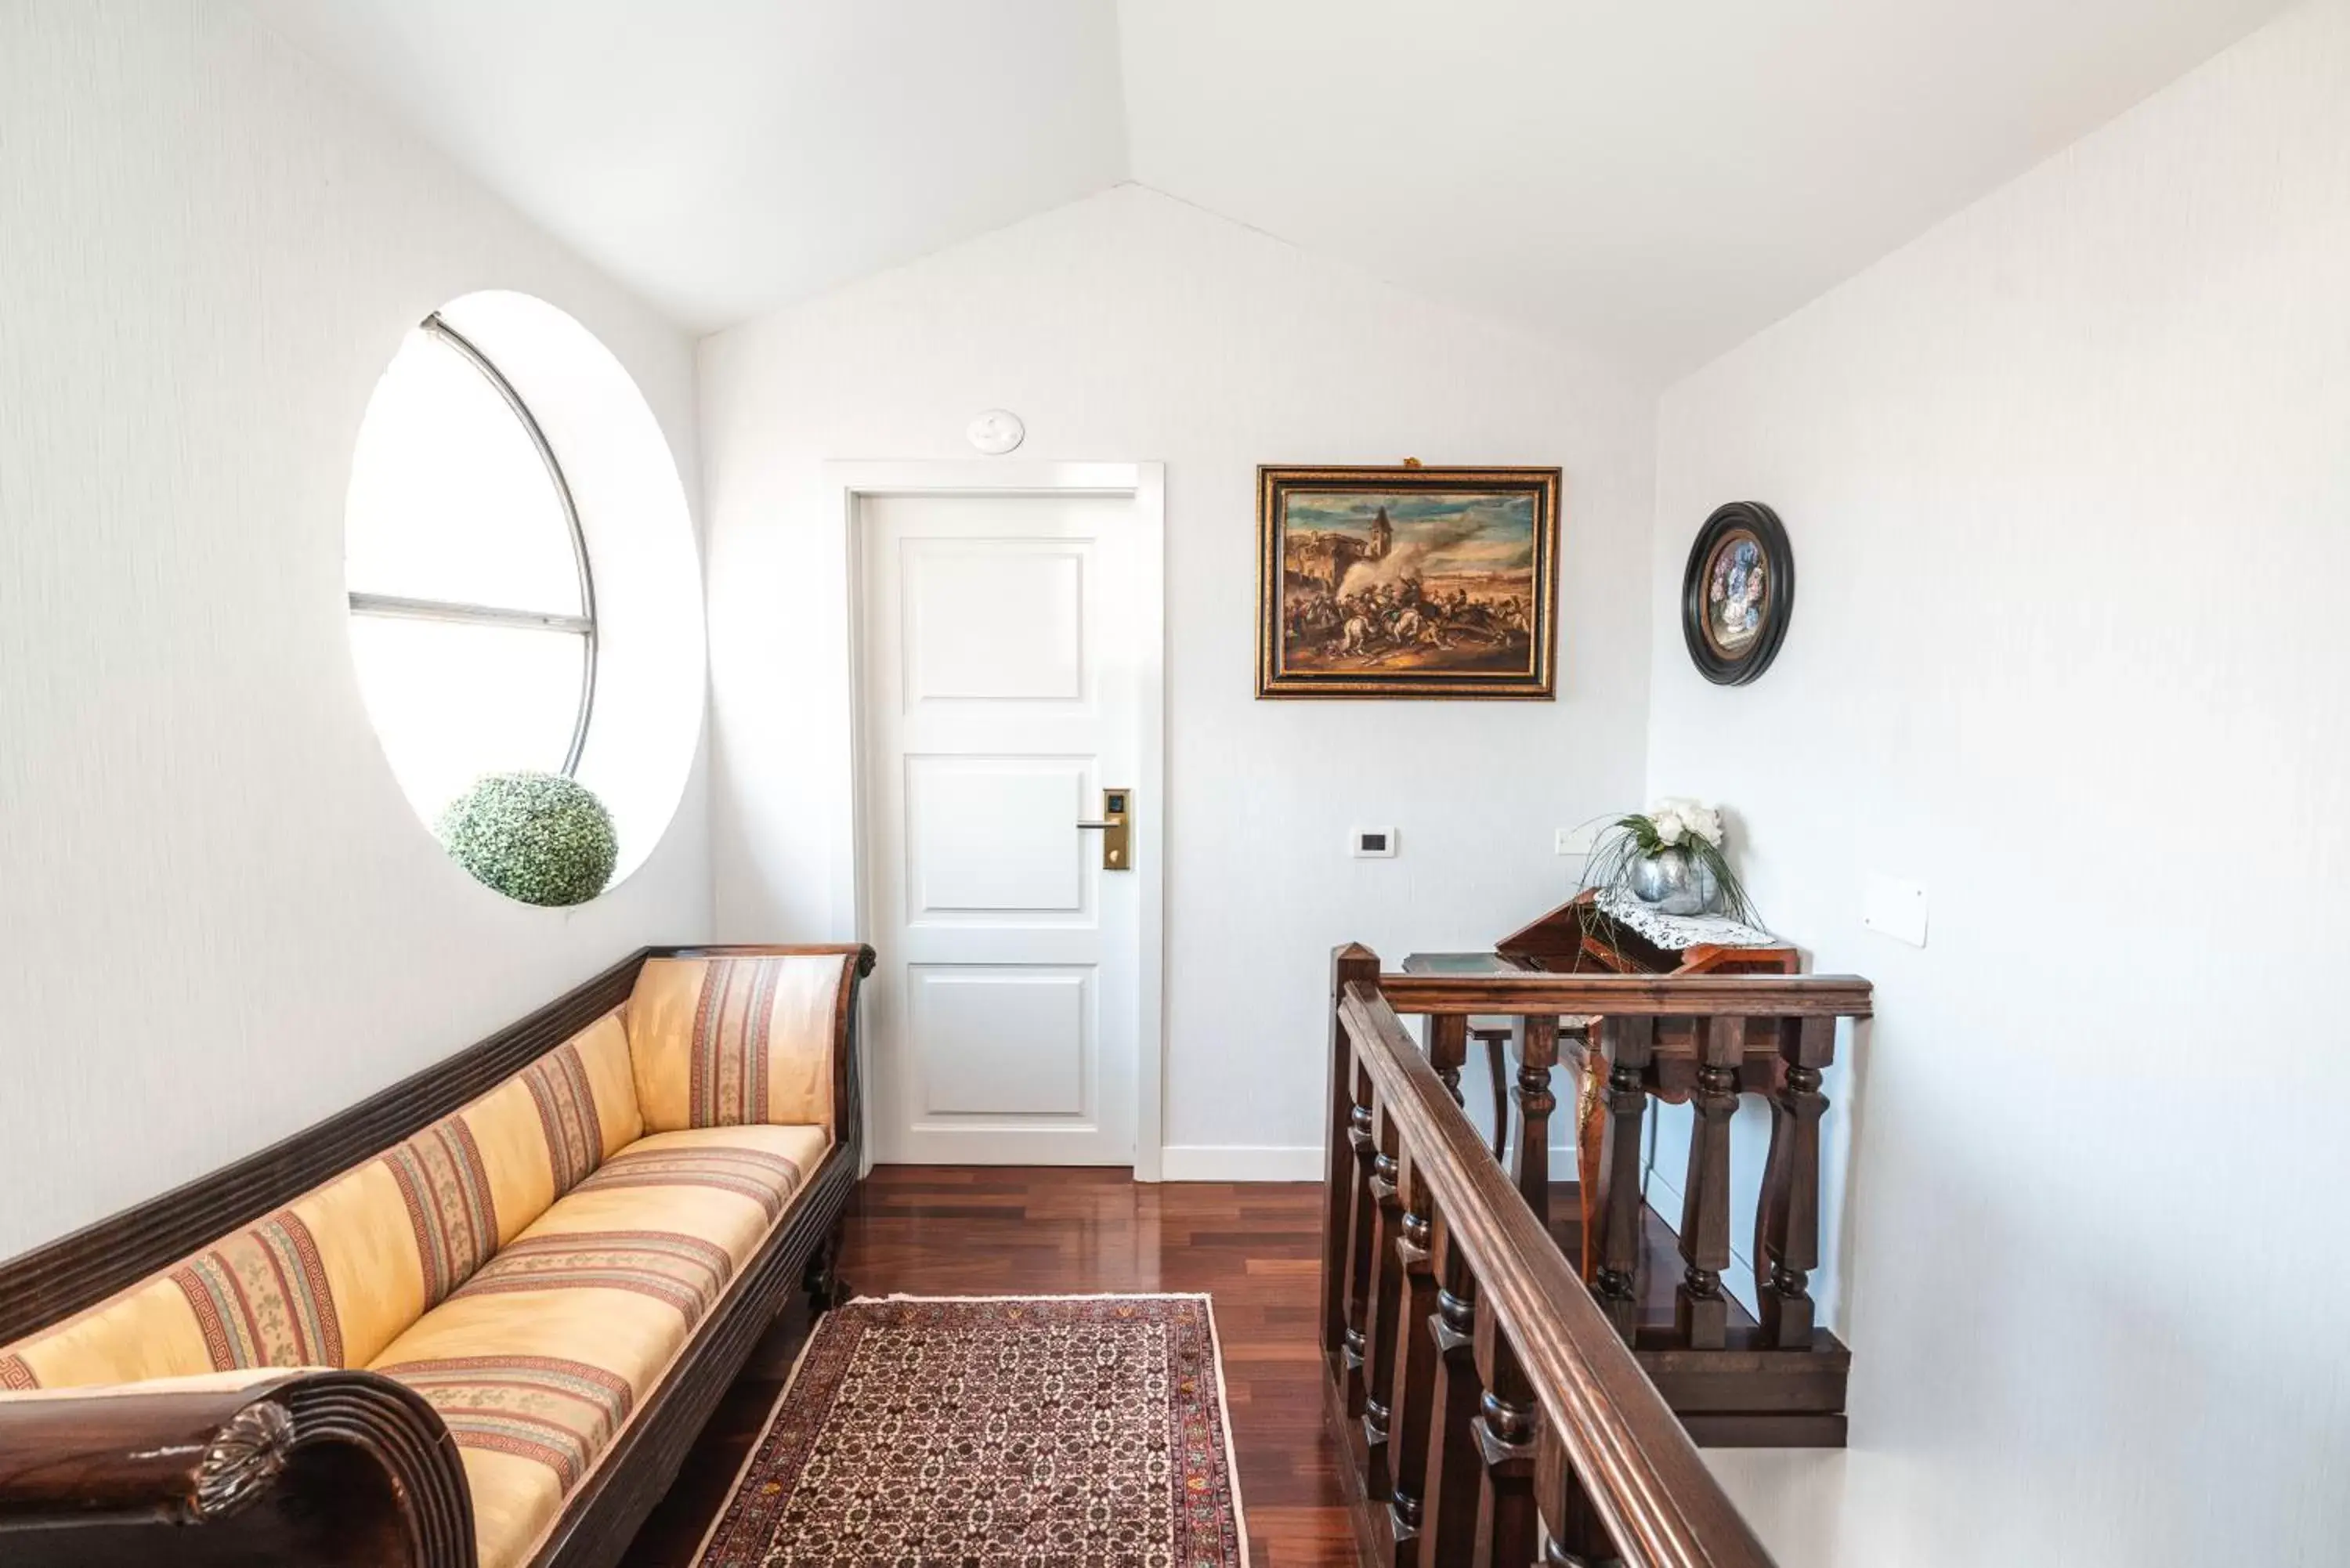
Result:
[276,1466]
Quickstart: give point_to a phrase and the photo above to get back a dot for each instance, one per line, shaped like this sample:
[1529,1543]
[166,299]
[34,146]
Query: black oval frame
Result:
[1779,560]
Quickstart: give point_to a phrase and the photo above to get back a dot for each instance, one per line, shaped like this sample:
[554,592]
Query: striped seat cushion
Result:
[718,1160]
[537,1359]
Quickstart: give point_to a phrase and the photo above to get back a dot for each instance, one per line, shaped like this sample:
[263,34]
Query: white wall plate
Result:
[1896,908]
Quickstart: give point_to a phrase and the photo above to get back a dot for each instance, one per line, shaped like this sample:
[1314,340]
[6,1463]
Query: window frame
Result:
[583,625]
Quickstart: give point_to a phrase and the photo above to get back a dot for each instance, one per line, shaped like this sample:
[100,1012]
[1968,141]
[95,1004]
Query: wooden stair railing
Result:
[1492,1411]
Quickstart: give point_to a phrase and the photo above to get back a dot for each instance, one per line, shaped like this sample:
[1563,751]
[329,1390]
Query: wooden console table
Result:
[1611,934]
[1709,1061]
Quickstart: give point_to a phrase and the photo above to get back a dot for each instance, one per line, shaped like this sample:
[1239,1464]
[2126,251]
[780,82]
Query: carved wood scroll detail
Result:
[244,1459]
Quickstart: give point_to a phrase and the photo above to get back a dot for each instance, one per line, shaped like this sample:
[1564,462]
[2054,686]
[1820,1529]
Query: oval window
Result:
[473,603]
[524,595]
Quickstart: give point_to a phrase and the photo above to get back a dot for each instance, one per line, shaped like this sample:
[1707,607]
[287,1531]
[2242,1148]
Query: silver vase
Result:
[1676,882]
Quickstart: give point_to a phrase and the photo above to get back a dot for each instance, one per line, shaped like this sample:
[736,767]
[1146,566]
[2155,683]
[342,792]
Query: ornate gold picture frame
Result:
[1407,582]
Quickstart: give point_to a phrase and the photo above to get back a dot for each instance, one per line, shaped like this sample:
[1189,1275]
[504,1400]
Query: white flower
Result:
[1669,826]
[1706,822]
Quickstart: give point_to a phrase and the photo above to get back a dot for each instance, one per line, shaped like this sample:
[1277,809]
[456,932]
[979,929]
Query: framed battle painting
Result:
[1407,582]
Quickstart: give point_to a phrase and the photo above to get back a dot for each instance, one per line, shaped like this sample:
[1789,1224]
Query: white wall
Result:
[219,919]
[2068,481]
[1132,326]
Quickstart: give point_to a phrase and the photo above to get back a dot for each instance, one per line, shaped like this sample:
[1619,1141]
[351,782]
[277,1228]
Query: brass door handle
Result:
[1113,827]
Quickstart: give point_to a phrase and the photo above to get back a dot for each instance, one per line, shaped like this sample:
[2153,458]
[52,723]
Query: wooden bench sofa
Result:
[474,1322]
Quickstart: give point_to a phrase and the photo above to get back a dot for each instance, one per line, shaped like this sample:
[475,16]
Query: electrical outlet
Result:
[1577,840]
[1374,843]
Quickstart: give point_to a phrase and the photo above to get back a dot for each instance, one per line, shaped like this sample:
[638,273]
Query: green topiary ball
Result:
[535,838]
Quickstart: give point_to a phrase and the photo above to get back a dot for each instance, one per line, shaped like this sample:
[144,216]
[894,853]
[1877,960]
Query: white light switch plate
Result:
[1373,843]
[1578,840]
[1896,908]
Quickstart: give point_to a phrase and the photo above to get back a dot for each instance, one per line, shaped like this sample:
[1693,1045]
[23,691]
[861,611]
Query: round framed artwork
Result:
[1737,593]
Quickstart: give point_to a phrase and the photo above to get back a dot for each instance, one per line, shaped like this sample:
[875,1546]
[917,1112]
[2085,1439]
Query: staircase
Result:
[1507,1391]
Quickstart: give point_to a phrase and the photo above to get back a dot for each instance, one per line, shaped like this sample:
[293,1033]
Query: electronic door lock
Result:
[1113,827]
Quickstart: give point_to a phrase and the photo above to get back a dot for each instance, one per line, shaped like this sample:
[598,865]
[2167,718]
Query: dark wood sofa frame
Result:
[335,1468]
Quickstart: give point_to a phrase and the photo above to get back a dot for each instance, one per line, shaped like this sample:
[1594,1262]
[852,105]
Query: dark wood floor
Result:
[938,1230]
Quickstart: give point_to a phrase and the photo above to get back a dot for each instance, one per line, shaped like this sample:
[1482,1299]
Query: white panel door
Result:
[999,699]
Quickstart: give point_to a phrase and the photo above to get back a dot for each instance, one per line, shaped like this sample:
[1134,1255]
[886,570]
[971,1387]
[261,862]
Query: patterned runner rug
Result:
[995,1431]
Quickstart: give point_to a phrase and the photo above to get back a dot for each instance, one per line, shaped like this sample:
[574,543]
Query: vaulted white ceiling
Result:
[723,157]
[1657,178]
[1656,181]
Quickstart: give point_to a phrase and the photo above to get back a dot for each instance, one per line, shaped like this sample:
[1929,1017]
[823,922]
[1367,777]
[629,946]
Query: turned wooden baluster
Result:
[1349,965]
[1386,1296]
[1700,1311]
[1447,1048]
[1538,1054]
[1496,1044]
[1415,1370]
[1354,1244]
[1448,1524]
[1573,1535]
[1627,1044]
[1361,1208]
[1789,1246]
[1508,1422]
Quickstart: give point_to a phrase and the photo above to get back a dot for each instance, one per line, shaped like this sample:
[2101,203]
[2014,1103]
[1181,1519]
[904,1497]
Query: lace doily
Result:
[1675,932]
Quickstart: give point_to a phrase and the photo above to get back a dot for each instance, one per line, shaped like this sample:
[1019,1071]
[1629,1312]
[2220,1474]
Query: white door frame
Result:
[1145,483]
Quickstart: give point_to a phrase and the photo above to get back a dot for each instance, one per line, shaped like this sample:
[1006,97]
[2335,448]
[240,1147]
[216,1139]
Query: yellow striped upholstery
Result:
[732,1041]
[532,1264]
[147,1331]
[537,1362]
[331,1278]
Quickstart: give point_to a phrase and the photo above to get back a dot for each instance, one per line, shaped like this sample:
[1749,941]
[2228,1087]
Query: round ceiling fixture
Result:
[997,432]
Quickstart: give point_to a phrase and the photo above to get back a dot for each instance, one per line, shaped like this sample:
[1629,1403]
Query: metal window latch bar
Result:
[469,614]
[1116,853]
